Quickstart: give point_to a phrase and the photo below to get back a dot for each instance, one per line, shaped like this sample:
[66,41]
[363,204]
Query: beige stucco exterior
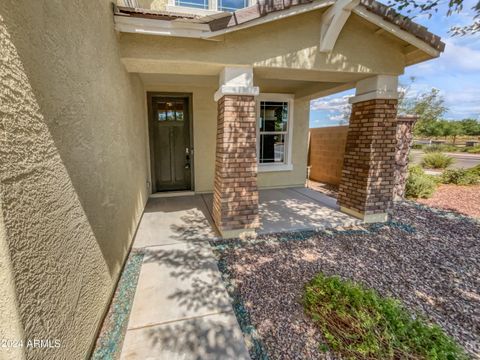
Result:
[74,147]
[149,4]
[283,49]
[73,171]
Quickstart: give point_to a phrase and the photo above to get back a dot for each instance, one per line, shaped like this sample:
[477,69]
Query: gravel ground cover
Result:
[426,258]
[327,189]
[464,199]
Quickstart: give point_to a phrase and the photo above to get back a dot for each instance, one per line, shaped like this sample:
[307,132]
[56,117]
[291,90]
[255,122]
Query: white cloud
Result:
[336,118]
[459,57]
[330,104]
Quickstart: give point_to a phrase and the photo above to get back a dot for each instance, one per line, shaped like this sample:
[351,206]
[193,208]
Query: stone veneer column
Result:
[366,186]
[235,197]
[405,125]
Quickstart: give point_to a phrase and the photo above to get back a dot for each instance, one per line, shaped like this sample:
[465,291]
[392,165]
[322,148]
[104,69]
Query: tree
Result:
[430,107]
[470,127]
[413,7]
[404,98]
[451,128]
[432,129]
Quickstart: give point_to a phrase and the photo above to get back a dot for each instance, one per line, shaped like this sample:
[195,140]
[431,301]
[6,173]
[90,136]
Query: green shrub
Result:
[440,148]
[472,150]
[418,146]
[462,176]
[436,160]
[357,323]
[419,184]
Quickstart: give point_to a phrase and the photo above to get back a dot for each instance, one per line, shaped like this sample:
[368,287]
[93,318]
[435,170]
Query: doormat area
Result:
[110,340]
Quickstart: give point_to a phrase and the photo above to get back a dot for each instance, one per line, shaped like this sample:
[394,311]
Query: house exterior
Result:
[104,104]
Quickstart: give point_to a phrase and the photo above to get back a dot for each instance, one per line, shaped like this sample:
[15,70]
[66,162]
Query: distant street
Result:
[462,160]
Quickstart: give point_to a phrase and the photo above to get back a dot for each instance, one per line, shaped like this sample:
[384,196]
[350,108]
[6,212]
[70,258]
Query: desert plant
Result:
[418,146]
[436,160]
[419,184]
[440,148]
[462,176]
[357,323]
[473,150]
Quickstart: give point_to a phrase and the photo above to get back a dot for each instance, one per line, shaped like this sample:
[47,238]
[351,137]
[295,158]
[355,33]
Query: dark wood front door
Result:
[170,144]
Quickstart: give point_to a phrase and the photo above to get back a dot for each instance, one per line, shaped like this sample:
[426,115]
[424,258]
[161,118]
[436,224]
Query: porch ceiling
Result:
[268,84]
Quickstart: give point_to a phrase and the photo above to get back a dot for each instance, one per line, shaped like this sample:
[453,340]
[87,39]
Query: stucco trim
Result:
[395,30]
[333,21]
[236,90]
[221,23]
[376,87]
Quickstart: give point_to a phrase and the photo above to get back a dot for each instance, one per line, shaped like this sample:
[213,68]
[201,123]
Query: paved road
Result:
[462,160]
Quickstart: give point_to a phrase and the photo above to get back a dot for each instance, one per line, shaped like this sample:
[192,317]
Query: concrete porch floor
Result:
[181,309]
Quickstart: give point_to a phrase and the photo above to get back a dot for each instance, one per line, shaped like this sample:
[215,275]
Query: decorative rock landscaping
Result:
[428,259]
[464,199]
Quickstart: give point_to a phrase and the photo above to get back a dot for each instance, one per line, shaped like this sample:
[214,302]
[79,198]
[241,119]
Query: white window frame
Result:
[212,8]
[287,164]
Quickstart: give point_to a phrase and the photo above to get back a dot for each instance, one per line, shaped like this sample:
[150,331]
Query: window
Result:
[274,131]
[207,7]
[170,110]
[231,5]
[199,4]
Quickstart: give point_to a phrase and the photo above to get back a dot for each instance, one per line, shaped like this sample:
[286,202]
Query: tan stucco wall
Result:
[204,135]
[291,43]
[9,317]
[73,169]
[327,149]
[149,4]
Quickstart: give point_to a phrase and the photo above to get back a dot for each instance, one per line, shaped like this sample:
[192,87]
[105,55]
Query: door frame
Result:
[189,97]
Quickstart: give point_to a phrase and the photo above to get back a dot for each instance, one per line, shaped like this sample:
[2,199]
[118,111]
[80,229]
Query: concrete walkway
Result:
[181,309]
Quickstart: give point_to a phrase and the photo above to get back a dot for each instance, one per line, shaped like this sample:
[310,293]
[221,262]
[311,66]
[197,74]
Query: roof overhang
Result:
[212,27]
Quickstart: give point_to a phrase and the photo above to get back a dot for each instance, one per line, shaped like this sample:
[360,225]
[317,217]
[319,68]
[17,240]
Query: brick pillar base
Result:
[235,198]
[366,186]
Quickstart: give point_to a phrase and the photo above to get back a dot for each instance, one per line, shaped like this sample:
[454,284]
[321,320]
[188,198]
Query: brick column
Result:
[367,182]
[235,198]
[405,125]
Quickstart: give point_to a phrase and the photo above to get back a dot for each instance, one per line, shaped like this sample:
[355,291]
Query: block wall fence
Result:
[327,150]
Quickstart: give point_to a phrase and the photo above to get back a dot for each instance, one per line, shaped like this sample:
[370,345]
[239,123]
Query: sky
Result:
[456,73]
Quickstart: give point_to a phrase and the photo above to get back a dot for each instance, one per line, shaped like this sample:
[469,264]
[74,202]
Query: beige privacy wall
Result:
[73,171]
[327,148]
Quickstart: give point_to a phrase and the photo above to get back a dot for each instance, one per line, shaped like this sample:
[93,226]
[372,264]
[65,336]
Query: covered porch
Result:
[235,94]
[167,220]
[181,308]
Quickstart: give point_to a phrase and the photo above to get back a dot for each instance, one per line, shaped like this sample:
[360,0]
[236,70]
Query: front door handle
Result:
[187,158]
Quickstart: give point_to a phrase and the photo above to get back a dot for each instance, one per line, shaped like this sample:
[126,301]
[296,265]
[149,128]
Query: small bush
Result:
[419,184]
[418,146]
[462,176]
[472,150]
[436,160]
[358,323]
[440,148]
